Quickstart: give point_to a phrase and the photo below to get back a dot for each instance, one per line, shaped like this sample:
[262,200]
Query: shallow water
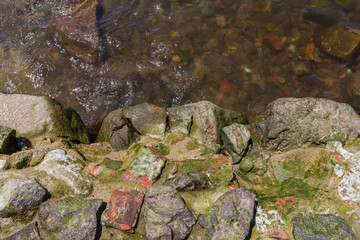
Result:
[96,57]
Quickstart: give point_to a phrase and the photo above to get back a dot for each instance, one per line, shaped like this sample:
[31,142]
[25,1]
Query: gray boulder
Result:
[236,139]
[30,232]
[190,181]
[71,218]
[66,167]
[124,126]
[203,121]
[166,215]
[255,161]
[20,196]
[34,116]
[230,216]
[21,159]
[7,139]
[292,122]
[312,226]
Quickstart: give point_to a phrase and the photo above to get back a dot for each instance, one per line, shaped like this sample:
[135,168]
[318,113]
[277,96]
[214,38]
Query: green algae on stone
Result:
[190,181]
[111,164]
[321,226]
[255,161]
[29,232]
[175,137]
[163,149]
[236,139]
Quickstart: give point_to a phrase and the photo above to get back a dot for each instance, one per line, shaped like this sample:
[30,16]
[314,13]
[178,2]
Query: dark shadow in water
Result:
[102,54]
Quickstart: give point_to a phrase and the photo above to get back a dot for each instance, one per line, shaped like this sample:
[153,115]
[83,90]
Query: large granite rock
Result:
[146,167]
[123,209]
[7,139]
[203,121]
[166,215]
[123,126]
[292,122]
[71,218]
[66,167]
[236,139]
[190,181]
[308,226]
[19,196]
[30,232]
[34,116]
[230,216]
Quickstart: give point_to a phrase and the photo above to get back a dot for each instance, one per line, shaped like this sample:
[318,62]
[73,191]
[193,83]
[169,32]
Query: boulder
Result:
[146,167]
[123,209]
[255,161]
[166,215]
[124,126]
[203,121]
[190,181]
[21,159]
[321,226]
[7,140]
[30,232]
[230,216]
[236,139]
[71,218]
[19,196]
[293,122]
[34,116]
[66,167]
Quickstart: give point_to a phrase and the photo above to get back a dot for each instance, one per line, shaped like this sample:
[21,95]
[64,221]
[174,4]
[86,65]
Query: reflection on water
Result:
[100,55]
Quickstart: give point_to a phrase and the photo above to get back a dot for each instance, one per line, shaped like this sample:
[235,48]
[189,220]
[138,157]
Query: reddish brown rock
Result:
[274,42]
[123,209]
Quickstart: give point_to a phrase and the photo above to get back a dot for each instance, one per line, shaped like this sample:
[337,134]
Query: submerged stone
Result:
[203,121]
[123,209]
[146,167]
[292,122]
[66,167]
[30,232]
[236,139]
[230,216]
[166,215]
[34,116]
[7,139]
[190,181]
[70,218]
[321,226]
[19,196]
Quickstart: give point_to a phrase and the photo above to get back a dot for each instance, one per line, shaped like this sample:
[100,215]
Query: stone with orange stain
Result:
[309,49]
[274,42]
[95,169]
[225,86]
[278,233]
[123,209]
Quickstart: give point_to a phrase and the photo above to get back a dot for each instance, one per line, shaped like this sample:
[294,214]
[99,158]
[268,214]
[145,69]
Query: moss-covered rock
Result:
[34,116]
[190,181]
[30,232]
[321,226]
[255,161]
[293,122]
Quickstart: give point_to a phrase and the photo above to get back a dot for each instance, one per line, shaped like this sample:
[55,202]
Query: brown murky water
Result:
[96,56]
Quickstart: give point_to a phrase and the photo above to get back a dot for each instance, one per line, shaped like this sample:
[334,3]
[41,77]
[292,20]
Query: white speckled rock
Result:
[3,164]
[66,167]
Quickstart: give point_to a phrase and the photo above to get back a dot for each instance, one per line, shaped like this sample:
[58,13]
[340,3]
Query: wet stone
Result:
[70,218]
[166,215]
[146,167]
[123,209]
[19,196]
[230,216]
[66,167]
[30,232]
[190,181]
[236,139]
[7,139]
[308,226]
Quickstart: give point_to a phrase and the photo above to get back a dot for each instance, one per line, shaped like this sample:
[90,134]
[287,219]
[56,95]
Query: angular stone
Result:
[21,159]
[230,216]
[30,232]
[4,164]
[7,139]
[65,167]
[112,164]
[190,181]
[255,161]
[281,174]
[166,215]
[34,116]
[236,139]
[146,167]
[19,196]
[292,122]
[70,218]
[321,226]
[123,209]
[203,121]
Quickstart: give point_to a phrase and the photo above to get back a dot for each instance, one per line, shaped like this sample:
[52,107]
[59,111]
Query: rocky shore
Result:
[196,171]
